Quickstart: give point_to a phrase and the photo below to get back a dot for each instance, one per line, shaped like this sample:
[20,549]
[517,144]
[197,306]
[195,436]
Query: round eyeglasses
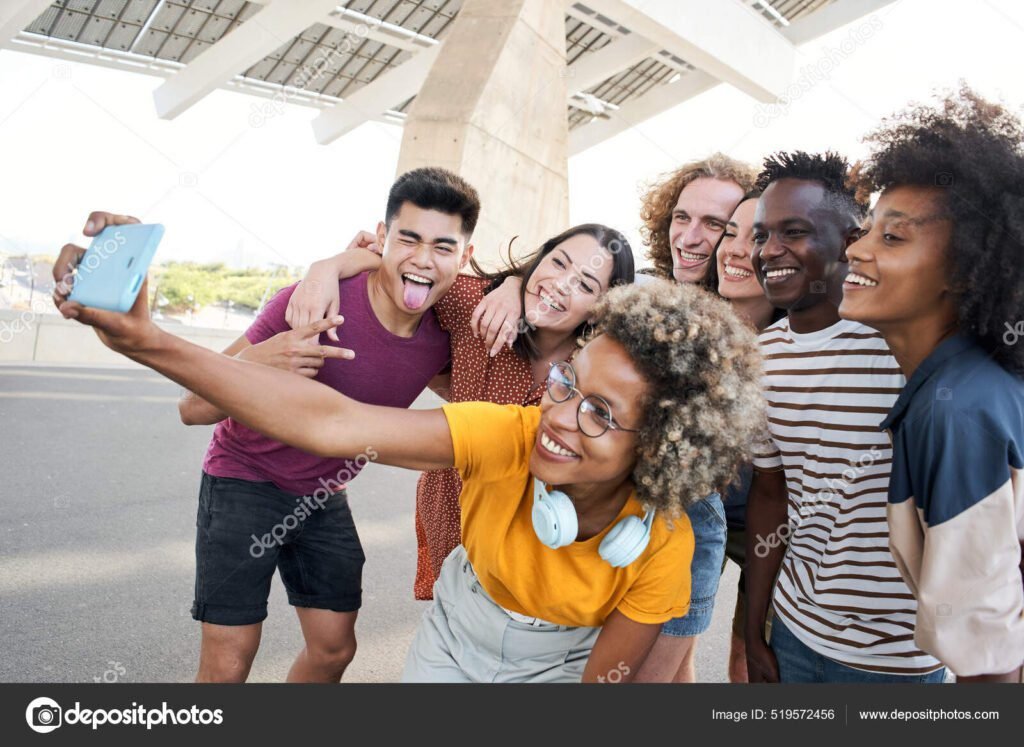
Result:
[594,414]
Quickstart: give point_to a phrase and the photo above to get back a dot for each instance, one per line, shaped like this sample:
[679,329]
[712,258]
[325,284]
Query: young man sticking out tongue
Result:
[265,506]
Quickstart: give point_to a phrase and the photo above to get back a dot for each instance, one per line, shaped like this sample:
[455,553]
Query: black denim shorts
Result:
[245,530]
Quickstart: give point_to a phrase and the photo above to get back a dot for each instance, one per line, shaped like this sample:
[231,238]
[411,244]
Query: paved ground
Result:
[97,522]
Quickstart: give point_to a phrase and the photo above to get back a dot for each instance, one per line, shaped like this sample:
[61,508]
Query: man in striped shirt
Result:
[817,505]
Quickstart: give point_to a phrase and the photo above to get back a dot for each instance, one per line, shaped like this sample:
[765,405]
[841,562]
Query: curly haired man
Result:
[684,215]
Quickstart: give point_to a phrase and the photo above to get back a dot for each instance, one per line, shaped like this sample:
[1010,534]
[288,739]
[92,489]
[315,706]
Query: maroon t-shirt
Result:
[387,370]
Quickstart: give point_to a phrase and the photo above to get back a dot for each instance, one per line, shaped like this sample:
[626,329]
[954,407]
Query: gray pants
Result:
[465,637]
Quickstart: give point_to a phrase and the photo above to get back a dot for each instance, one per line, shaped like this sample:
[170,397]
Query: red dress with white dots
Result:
[505,379]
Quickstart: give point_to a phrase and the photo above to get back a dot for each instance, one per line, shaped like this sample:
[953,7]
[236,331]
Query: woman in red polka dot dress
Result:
[506,329]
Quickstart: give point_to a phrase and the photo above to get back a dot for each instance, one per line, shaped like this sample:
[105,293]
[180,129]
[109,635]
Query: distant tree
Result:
[215,283]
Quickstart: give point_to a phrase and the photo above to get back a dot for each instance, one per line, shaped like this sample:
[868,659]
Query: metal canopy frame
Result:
[359,41]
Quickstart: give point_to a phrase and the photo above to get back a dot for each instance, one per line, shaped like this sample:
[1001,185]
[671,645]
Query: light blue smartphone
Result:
[114,266]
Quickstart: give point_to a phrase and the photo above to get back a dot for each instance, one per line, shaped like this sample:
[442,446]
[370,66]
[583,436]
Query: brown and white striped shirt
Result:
[839,591]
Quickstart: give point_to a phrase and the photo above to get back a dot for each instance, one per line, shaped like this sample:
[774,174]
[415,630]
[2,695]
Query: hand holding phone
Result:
[113,269]
[71,254]
[123,332]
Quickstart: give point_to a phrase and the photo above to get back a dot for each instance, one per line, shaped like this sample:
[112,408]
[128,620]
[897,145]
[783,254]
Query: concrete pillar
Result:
[493,109]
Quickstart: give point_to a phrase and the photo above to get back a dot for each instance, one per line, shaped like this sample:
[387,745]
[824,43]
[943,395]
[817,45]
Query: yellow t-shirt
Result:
[569,586]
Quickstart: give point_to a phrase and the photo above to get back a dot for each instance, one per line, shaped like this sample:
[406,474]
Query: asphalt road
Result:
[97,524]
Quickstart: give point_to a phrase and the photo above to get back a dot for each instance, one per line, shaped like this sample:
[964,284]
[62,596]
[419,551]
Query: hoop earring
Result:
[585,335]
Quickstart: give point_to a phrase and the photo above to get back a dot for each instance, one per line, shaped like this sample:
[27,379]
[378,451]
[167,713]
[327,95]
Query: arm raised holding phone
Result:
[305,414]
[302,413]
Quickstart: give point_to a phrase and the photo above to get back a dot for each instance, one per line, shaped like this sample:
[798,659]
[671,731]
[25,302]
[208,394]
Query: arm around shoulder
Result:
[194,410]
[302,413]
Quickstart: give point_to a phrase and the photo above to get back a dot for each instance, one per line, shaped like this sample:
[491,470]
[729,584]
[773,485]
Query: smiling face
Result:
[698,220]
[562,455]
[898,267]
[423,251]
[798,245]
[736,278]
[561,292]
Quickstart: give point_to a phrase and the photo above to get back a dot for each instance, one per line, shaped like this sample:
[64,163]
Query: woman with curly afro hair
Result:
[940,273]
[576,546]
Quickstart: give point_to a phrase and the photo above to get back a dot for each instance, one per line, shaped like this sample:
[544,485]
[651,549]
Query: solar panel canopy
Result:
[362,40]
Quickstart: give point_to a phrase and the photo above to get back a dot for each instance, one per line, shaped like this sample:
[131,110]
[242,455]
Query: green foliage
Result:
[215,283]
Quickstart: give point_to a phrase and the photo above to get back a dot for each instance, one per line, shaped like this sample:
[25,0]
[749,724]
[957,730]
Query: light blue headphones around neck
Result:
[556,525]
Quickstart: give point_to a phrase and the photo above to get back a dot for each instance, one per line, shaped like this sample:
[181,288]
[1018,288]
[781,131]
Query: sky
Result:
[232,184]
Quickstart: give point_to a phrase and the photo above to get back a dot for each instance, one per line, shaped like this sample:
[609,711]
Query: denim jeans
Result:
[707,517]
[799,663]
